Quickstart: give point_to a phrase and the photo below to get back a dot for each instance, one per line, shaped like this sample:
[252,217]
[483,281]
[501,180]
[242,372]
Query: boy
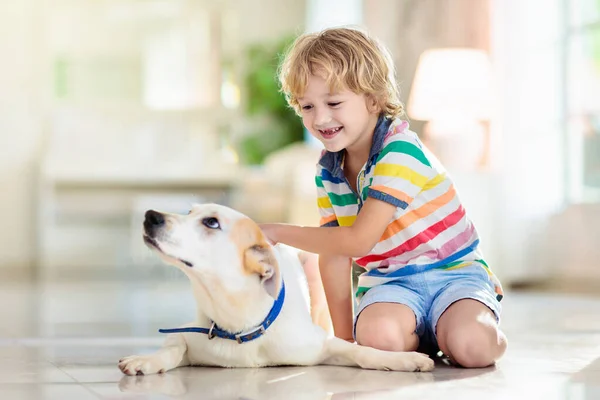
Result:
[387,203]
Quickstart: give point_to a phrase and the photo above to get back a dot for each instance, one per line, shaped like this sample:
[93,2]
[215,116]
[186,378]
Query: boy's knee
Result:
[475,346]
[386,335]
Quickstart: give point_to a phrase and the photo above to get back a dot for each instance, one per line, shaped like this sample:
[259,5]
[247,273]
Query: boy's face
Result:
[340,120]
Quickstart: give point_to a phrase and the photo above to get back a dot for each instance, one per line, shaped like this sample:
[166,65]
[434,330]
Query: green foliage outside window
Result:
[263,98]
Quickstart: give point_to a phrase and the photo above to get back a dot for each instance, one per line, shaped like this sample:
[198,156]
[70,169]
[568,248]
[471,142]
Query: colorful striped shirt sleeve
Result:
[401,171]
[328,217]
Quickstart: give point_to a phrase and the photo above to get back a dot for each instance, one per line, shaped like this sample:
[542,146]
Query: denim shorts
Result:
[428,294]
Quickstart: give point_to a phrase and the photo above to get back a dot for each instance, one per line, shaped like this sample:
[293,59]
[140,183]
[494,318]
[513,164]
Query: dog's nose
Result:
[153,220]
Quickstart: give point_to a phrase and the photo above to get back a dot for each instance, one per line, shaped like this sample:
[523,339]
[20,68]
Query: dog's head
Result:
[217,242]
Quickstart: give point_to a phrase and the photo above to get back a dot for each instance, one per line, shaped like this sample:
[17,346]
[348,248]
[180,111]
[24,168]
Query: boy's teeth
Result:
[331,131]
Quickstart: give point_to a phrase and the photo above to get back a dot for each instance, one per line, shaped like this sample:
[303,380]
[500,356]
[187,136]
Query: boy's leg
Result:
[464,317]
[467,332]
[391,317]
[387,326]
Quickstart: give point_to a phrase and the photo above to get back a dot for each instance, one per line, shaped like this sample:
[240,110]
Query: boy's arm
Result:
[337,282]
[401,172]
[348,241]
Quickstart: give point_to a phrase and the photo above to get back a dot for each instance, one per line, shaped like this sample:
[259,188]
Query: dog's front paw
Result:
[142,365]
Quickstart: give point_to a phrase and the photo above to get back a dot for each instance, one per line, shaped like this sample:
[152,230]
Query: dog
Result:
[253,306]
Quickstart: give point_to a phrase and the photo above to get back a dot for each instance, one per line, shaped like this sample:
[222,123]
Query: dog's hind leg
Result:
[341,352]
[171,355]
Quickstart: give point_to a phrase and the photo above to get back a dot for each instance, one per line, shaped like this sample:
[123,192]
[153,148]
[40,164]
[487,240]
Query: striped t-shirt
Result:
[430,228]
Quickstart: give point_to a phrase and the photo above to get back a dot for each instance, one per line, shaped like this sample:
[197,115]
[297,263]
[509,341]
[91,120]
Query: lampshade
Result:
[451,83]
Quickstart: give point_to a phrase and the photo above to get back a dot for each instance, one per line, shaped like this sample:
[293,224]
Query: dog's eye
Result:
[211,223]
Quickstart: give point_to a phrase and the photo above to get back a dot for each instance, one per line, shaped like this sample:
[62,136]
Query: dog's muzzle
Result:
[153,221]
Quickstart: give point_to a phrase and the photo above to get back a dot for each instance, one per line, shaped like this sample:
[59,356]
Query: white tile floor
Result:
[62,340]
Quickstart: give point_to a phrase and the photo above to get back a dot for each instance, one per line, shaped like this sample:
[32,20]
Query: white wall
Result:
[20,128]
[529,132]
[265,19]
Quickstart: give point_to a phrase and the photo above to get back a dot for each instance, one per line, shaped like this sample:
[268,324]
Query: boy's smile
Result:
[331,132]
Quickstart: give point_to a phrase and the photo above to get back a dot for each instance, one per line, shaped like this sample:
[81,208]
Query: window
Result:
[582,83]
[160,55]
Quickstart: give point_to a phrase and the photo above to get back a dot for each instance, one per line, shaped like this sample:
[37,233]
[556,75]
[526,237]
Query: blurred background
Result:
[111,107]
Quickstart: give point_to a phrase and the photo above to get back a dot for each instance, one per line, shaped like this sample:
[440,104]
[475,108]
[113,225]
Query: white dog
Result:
[252,301]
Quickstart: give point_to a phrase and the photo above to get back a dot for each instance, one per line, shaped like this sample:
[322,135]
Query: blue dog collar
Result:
[215,331]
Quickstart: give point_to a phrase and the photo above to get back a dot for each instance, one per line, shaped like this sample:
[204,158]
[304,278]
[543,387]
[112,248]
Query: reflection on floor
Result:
[62,339]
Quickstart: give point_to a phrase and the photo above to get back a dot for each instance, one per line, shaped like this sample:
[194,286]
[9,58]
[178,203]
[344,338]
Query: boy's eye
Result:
[334,104]
[306,108]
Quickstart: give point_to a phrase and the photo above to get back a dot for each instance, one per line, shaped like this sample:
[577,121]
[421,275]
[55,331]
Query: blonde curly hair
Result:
[345,57]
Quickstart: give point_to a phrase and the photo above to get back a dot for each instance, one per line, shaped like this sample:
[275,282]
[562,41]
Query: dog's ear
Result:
[259,259]
[257,255]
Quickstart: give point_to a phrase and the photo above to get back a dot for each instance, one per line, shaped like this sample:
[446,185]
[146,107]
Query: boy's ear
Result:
[373,104]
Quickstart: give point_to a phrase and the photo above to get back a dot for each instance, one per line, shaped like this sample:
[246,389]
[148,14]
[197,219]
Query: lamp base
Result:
[458,144]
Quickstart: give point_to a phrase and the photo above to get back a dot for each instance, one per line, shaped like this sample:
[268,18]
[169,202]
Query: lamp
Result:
[451,90]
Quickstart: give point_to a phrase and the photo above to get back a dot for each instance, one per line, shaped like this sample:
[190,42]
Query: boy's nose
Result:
[322,118]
